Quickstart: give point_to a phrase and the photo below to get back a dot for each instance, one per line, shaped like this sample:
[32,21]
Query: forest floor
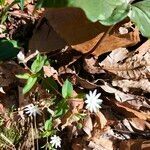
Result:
[56,81]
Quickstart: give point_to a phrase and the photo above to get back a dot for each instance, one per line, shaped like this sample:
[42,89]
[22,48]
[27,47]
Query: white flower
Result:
[20,56]
[32,110]
[55,141]
[93,101]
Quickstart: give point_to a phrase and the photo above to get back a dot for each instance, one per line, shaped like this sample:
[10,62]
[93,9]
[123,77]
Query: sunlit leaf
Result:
[22,4]
[38,63]
[23,76]
[140,15]
[30,83]
[67,89]
[120,13]
[48,124]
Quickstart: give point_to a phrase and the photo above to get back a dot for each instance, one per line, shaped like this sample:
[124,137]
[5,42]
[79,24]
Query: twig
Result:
[31,56]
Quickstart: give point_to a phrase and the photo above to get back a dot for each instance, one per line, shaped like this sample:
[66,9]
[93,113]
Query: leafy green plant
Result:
[62,106]
[67,89]
[6,7]
[48,128]
[32,78]
[109,12]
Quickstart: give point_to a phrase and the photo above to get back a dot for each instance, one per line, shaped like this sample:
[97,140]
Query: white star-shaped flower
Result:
[55,141]
[93,102]
[32,110]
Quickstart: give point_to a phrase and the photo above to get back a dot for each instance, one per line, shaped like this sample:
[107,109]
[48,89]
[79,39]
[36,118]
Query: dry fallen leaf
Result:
[140,144]
[76,30]
[102,121]
[120,96]
[126,85]
[76,104]
[88,125]
[139,114]
[138,124]
[101,144]
[135,67]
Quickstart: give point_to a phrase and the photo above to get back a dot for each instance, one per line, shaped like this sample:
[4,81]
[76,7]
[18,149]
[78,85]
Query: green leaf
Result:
[38,63]
[94,9]
[140,15]
[8,49]
[30,83]
[120,13]
[39,4]
[48,124]
[116,2]
[23,76]
[2,2]
[61,108]
[67,89]
[22,4]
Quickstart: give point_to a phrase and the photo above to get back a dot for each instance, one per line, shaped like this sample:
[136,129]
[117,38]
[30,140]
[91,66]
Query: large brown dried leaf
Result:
[88,125]
[139,114]
[143,84]
[135,145]
[76,30]
[102,121]
[139,124]
[136,66]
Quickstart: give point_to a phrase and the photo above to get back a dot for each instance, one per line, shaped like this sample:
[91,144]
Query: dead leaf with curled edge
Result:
[120,96]
[127,110]
[135,67]
[139,124]
[101,119]
[126,85]
[91,66]
[69,26]
[88,125]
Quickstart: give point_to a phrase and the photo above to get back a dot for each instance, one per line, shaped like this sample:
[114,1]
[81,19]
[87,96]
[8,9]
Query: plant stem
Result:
[36,132]
[32,133]
[99,42]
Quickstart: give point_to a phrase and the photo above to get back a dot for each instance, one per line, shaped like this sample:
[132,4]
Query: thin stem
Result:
[36,131]
[32,132]
[53,88]
[99,42]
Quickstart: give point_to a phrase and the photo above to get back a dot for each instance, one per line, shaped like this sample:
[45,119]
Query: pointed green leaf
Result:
[38,63]
[23,76]
[140,15]
[67,89]
[30,83]
[48,124]
[120,13]
[94,9]
[22,4]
